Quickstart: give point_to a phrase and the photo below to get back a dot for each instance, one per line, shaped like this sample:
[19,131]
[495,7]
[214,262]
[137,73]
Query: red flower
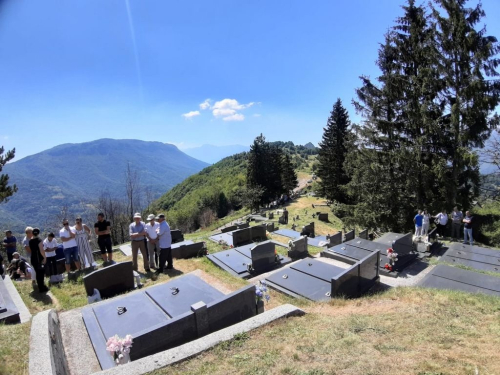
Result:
[388,267]
[231,246]
[389,250]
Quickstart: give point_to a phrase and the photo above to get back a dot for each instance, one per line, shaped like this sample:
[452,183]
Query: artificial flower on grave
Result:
[118,347]
[261,292]
[388,267]
[393,257]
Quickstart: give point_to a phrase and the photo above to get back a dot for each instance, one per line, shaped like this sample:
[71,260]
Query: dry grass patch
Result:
[403,331]
[15,342]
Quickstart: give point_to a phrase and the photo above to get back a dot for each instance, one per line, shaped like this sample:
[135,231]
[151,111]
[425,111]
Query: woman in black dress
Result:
[38,260]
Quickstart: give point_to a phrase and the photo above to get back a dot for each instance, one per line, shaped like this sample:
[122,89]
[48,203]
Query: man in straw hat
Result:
[137,232]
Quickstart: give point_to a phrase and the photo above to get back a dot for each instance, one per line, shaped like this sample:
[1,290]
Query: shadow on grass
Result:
[41,297]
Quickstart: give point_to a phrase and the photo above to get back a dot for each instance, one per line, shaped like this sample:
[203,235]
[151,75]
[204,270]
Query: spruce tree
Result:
[467,57]
[332,154]
[6,191]
[288,175]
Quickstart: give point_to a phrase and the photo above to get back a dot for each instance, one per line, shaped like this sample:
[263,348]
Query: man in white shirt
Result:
[152,236]
[68,235]
[50,247]
[441,222]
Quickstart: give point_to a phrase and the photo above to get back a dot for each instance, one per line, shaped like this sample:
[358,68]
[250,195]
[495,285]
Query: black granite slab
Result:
[234,260]
[161,317]
[475,249]
[296,283]
[110,281]
[318,269]
[447,277]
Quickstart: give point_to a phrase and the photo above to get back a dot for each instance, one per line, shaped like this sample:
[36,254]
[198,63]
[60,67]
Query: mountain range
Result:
[77,173]
[212,154]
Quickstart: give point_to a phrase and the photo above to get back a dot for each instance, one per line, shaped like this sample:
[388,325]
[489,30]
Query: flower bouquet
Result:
[224,244]
[261,294]
[393,258]
[119,348]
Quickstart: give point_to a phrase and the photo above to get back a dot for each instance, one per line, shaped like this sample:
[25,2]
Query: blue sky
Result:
[77,71]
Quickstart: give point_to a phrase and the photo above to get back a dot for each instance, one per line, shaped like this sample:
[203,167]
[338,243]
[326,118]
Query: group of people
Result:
[154,236]
[422,222]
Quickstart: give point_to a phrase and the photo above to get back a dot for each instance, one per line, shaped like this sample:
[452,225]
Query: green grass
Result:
[405,330]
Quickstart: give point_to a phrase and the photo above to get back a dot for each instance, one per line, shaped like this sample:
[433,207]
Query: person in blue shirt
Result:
[10,243]
[418,223]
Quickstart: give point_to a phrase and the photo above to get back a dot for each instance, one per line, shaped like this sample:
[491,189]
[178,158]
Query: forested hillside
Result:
[217,190]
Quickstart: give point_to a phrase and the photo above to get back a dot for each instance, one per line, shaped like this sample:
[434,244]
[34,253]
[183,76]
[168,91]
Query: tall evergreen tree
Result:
[467,56]
[288,175]
[332,154]
[395,168]
[6,190]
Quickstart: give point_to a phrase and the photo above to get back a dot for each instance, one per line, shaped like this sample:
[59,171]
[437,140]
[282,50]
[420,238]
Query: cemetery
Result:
[184,314]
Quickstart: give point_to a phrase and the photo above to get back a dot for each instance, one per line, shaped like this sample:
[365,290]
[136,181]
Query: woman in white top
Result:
[50,246]
[82,239]
[425,223]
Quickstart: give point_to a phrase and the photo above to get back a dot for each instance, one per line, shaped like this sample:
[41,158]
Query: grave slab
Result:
[188,249]
[9,313]
[475,249]
[249,260]
[161,317]
[111,280]
[288,233]
[447,277]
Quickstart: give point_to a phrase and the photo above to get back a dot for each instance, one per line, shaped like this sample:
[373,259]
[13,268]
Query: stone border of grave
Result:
[46,355]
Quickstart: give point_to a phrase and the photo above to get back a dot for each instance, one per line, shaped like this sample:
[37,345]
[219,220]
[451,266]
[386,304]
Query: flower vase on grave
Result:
[123,359]
[260,306]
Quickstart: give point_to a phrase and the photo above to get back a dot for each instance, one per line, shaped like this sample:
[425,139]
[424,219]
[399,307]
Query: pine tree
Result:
[288,175]
[6,191]
[467,56]
[395,167]
[332,154]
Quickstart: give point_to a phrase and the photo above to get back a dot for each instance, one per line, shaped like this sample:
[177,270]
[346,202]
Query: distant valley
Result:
[212,154]
[75,174]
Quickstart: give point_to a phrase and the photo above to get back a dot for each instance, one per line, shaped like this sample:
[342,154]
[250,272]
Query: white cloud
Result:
[257,115]
[191,114]
[235,117]
[205,104]
[227,109]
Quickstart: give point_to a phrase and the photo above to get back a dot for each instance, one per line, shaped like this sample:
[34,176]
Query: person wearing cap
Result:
[9,243]
[152,236]
[165,243]
[70,247]
[137,232]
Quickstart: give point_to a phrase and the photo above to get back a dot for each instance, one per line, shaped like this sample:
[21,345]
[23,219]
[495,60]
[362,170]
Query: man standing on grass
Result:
[468,227]
[103,231]
[9,243]
[68,238]
[152,236]
[441,221]
[285,215]
[165,243]
[418,220]
[456,223]
[137,232]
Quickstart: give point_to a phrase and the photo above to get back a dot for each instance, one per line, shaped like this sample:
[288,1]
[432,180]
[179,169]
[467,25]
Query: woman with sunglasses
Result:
[82,239]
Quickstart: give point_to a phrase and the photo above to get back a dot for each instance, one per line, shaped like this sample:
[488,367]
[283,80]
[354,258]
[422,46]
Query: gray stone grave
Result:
[242,225]
[9,314]
[363,234]
[177,235]
[297,249]
[281,220]
[350,235]
[308,230]
[229,229]
[453,278]
[271,215]
[165,316]
[110,281]
[270,227]
[249,260]
[319,281]
[188,249]
[334,240]
[323,217]
[479,258]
